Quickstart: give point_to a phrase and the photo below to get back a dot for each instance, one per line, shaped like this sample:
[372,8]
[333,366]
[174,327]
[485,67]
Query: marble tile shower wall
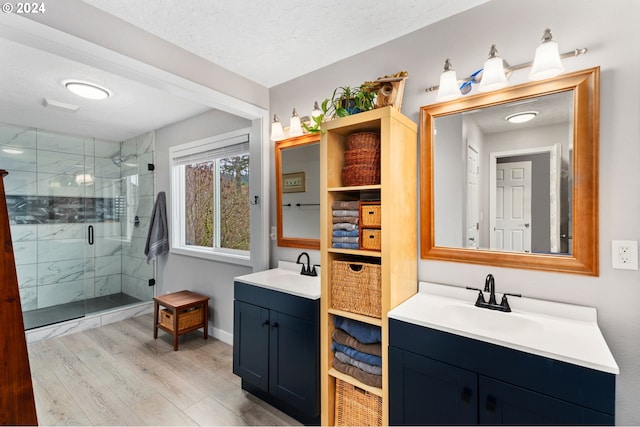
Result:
[55,265]
[138,191]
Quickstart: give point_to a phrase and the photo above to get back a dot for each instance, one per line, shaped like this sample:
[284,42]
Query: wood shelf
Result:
[398,254]
[355,316]
[348,378]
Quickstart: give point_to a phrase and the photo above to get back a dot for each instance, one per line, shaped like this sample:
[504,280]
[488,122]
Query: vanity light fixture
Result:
[277,134]
[522,117]
[87,90]
[295,128]
[449,88]
[316,110]
[547,63]
[493,74]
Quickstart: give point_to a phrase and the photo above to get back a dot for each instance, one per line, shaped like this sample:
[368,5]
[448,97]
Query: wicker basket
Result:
[370,215]
[356,287]
[370,239]
[356,407]
[361,160]
[366,174]
[362,157]
[186,318]
[363,141]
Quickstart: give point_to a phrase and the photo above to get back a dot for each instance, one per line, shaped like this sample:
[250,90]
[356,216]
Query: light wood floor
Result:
[119,375]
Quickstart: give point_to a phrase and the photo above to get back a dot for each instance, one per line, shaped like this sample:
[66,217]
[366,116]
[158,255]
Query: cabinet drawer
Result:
[370,215]
[371,239]
[583,386]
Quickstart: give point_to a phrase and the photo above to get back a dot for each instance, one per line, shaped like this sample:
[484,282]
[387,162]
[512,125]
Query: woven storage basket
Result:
[356,407]
[360,157]
[186,318]
[370,239]
[370,215]
[365,174]
[356,287]
[363,140]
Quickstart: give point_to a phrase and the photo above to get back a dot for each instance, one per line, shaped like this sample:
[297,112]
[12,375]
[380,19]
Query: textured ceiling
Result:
[267,41]
[273,41]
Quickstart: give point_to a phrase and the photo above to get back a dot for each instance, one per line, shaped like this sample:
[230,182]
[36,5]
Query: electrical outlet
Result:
[272,235]
[624,254]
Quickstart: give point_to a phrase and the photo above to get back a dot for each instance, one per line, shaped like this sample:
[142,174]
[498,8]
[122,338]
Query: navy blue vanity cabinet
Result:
[438,378]
[276,349]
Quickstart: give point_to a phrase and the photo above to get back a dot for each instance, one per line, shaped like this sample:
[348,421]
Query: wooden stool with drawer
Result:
[185,312]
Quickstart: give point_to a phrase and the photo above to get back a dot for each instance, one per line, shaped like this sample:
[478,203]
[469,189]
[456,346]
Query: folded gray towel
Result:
[344,239]
[371,369]
[344,204]
[345,212]
[351,219]
[158,237]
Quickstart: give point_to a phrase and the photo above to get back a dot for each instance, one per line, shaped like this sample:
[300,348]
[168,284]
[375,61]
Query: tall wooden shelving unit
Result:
[397,193]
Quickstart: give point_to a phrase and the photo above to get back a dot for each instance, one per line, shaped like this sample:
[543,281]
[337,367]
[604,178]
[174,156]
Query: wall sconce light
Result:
[493,76]
[448,83]
[277,133]
[316,110]
[295,128]
[547,63]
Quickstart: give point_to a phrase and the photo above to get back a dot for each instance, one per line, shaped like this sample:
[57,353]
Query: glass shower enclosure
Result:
[79,210]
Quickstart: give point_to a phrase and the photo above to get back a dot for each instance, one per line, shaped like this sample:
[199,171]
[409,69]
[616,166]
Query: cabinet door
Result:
[294,362]
[251,344]
[423,391]
[502,403]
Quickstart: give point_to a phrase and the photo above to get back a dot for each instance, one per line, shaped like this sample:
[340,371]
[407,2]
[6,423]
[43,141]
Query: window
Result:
[210,198]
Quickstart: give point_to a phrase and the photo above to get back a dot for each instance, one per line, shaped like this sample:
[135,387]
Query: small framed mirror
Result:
[298,191]
[499,190]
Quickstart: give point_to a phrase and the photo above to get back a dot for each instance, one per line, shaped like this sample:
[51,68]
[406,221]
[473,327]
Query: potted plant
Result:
[344,101]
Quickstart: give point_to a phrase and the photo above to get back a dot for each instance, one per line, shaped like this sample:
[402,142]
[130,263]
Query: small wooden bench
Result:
[184,312]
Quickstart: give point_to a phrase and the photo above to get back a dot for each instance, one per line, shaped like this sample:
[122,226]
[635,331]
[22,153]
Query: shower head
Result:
[118,160]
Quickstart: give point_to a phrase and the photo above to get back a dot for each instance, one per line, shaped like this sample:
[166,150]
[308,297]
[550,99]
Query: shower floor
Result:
[74,310]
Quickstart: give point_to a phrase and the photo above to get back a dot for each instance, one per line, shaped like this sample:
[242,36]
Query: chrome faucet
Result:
[490,286]
[308,269]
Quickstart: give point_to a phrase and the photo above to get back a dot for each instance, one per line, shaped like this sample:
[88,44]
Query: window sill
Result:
[214,256]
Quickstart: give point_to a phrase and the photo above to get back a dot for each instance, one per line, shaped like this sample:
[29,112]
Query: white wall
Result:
[610,31]
[178,272]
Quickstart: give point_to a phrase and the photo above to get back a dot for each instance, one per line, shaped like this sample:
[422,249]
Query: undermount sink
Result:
[477,318]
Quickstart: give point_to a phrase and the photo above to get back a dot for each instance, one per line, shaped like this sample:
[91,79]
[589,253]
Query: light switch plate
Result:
[624,254]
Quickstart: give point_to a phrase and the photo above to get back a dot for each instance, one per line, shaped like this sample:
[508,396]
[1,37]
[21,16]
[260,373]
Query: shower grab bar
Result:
[90,235]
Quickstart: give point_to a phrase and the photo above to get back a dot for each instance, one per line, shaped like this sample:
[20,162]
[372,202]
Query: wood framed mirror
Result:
[525,196]
[298,191]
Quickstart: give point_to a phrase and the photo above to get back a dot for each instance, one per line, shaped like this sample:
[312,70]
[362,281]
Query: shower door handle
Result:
[90,235]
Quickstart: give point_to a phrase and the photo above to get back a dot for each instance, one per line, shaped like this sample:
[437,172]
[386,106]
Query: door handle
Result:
[466,395]
[265,323]
[90,235]
[491,404]
[275,325]
[526,225]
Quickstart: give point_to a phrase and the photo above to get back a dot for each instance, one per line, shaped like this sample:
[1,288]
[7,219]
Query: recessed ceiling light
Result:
[12,151]
[87,90]
[525,116]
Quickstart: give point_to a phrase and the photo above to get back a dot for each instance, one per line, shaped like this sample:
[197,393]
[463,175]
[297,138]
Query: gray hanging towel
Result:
[158,238]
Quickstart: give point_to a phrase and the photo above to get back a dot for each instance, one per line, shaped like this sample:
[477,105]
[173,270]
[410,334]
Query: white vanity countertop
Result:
[560,331]
[286,278]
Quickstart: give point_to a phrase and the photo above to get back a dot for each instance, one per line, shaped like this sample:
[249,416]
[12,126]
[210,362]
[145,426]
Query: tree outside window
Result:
[217,211]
